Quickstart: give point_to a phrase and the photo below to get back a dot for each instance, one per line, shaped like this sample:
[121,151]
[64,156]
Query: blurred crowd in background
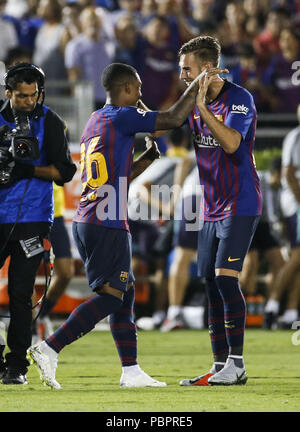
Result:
[74,40]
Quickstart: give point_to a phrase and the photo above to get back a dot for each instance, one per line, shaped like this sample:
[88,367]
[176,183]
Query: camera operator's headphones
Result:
[20,67]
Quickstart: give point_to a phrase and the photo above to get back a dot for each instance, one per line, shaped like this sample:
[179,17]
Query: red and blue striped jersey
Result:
[231,184]
[107,149]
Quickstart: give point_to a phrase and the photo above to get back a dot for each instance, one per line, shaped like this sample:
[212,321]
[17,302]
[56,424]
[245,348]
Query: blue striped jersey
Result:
[107,150]
[231,184]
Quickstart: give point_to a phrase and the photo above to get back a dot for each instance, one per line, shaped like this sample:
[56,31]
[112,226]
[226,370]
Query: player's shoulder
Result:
[133,110]
[236,91]
[132,115]
[240,99]
[120,111]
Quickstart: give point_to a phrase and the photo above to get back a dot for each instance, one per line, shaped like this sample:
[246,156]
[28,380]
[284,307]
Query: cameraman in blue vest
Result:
[34,152]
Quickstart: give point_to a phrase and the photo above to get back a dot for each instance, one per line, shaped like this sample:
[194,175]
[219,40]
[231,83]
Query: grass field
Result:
[89,372]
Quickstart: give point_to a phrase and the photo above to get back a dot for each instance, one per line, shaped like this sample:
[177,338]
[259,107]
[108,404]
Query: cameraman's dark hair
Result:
[206,48]
[23,72]
[117,74]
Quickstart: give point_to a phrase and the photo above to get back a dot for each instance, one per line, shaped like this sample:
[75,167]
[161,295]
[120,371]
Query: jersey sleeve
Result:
[132,120]
[241,112]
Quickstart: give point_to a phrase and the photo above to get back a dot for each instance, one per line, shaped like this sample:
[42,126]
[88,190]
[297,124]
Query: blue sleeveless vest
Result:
[37,204]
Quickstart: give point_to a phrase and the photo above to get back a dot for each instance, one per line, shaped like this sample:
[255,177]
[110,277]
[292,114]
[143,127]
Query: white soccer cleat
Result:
[140,379]
[46,361]
[229,375]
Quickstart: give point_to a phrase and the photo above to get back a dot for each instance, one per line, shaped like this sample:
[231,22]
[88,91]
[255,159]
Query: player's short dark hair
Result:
[117,74]
[206,48]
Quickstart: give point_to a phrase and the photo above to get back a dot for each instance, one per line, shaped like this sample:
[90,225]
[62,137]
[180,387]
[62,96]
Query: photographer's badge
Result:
[32,246]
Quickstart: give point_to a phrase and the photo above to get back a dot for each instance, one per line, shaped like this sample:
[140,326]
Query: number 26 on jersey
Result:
[94,164]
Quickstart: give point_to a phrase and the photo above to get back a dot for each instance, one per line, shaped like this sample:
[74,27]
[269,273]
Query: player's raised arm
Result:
[228,137]
[177,114]
[157,133]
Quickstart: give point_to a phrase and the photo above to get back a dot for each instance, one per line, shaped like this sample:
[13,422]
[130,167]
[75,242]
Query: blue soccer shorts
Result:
[106,254]
[224,244]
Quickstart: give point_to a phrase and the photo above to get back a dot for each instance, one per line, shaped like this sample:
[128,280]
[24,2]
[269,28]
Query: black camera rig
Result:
[21,146]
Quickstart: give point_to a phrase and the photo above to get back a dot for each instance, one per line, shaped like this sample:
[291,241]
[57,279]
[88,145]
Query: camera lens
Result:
[22,149]
[25,148]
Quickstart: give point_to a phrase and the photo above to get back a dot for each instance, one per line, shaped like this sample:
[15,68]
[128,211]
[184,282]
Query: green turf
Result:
[89,372]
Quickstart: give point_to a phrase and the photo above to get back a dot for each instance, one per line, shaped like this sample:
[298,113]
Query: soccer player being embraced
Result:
[223,123]
[100,225]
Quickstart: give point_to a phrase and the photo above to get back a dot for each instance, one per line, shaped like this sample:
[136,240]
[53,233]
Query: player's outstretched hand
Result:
[153,151]
[209,76]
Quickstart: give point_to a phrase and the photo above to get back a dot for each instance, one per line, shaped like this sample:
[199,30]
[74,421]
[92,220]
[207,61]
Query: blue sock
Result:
[234,312]
[83,319]
[124,330]
[216,327]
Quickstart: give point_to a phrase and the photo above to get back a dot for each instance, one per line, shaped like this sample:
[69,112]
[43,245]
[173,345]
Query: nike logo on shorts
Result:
[233,259]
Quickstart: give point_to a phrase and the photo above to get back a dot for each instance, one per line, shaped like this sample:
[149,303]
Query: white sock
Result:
[173,311]
[290,315]
[272,306]
[131,370]
[47,349]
